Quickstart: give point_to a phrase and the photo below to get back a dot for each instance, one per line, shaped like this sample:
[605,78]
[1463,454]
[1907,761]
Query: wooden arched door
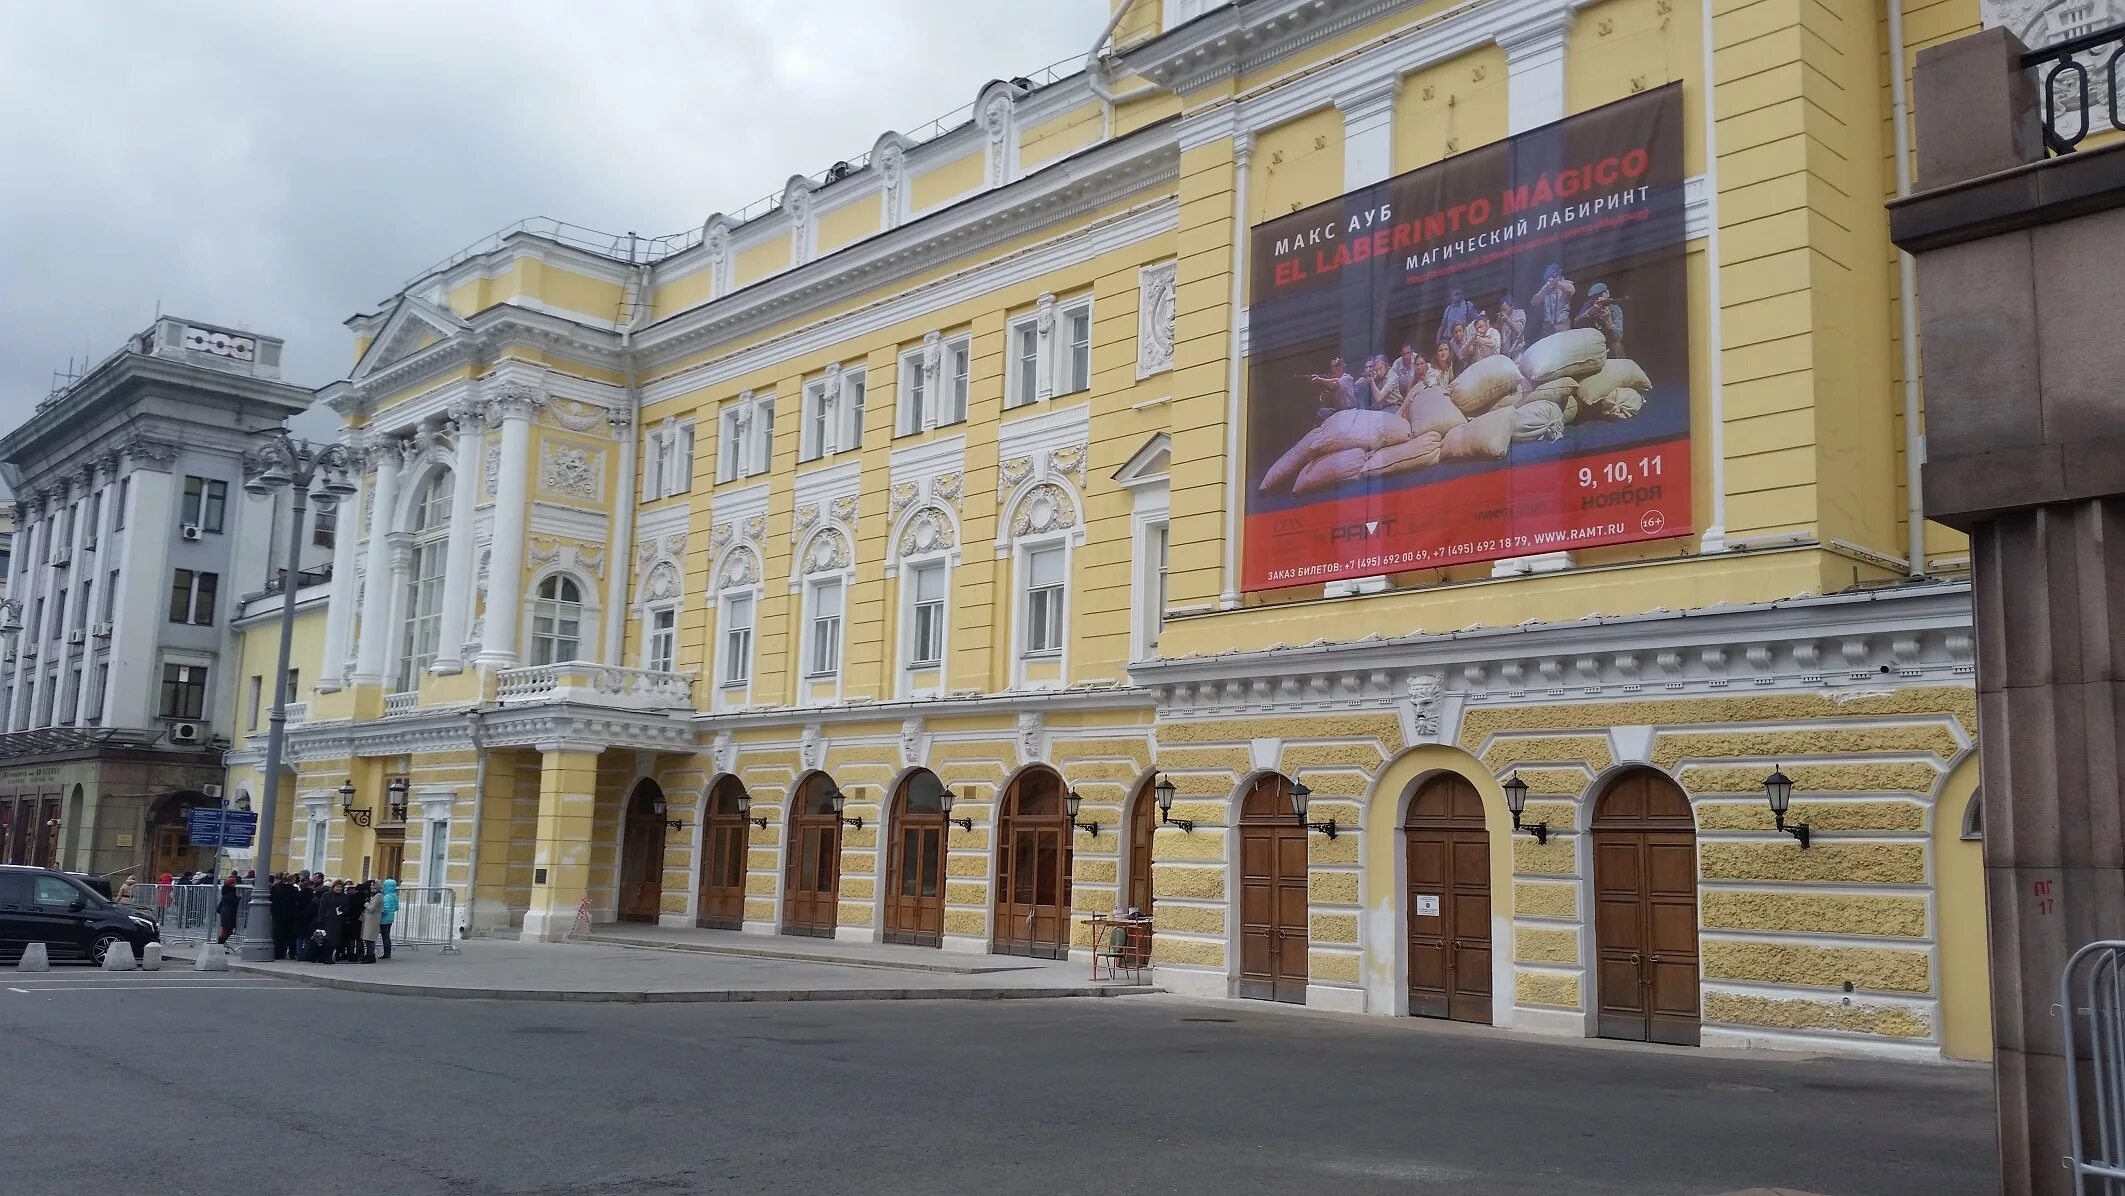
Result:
[1272,894]
[1645,911]
[1143,824]
[915,846]
[720,902]
[811,874]
[170,850]
[1447,852]
[1033,868]
[642,855]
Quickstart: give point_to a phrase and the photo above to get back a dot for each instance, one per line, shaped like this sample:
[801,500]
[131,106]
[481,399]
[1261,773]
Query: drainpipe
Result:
[479,815]
[1907,309]
[620,560]
[1096,68]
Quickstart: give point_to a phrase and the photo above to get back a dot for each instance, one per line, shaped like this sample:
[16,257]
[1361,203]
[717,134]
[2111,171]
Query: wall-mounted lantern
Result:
[1301,796]
[1778,790]
[1164,791]
[1516,802]
[1071,801]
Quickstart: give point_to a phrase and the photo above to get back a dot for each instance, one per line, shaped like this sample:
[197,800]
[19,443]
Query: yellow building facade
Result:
[859,565]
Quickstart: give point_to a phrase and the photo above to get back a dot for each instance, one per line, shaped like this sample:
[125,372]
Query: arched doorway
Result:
[1143,824]
[1272,894]
[1033,868]
[642,855]
[811,878]
[720,904]
[170,850]
[915,845]
[1448,856]
[1645,910]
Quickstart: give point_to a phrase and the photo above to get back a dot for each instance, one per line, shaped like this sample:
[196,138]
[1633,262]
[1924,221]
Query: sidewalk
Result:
[833,951]
[504,970]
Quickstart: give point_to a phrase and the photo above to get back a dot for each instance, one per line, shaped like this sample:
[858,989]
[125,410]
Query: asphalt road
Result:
[170,1083]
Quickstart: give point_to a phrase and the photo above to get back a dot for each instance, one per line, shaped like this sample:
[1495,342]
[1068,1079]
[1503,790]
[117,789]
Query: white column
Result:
[512,515]
[466,461]
[1369,132]
[376,582]
[105,551]
[71,619]
[339,609]
[33,579]
[143,593]
[1534,96]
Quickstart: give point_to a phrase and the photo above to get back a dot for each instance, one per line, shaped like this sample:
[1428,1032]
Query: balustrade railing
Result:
[402,703]
[595,685]
[297,712]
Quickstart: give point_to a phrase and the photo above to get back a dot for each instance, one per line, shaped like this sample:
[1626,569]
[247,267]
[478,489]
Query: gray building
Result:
[134,544]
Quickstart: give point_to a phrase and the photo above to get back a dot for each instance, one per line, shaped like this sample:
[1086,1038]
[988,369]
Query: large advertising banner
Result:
[1484,358]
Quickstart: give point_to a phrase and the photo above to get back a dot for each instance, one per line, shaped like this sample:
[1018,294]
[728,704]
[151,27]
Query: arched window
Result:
[556,621]
[430,527]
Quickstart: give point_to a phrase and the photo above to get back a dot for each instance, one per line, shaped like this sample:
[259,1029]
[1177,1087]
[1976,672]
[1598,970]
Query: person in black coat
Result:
[231,900]
[351,928]
[331,921]
[283,897]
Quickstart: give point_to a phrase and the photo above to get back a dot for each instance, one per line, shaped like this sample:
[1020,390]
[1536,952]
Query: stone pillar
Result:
[372,652]
[512,514]
[1369,132]
[465,466]
[143,589]
[568,802]
[339,611]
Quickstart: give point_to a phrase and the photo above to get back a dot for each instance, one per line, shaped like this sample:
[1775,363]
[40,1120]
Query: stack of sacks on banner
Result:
[1491,405]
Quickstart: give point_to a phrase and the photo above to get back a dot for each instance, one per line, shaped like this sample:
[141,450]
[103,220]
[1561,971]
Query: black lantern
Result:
[1778,790]
[1164,791]
[1516,802]
[1071,801]
[396,792]
[1301,797]
[839,801]
[745,810]
[357,816]
[946,799]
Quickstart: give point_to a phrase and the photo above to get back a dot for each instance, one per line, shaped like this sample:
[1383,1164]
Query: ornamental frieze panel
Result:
[572,471]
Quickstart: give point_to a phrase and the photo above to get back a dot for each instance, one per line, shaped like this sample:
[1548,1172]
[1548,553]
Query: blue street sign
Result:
[203,827]
[239,828]
[221,828]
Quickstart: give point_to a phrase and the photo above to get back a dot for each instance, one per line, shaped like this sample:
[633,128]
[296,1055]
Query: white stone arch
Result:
[948,545]
[1019,499]
[432,464]
[586,639]
[839,555]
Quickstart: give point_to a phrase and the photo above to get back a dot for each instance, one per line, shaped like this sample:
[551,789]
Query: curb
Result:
[840,961]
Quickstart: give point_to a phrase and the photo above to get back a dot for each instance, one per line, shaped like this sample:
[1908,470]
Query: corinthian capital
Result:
[515,400]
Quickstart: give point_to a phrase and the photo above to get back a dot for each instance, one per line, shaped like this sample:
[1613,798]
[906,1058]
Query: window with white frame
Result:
[932,398]
[1044,601]
[663,639]
[1023,347]
[424,584]
[822,640]
[730,443]
[557,621]
[433,871]
[670,467]
[737,623]
[314,859]
[833,415]
[956,373]
[760,441]
[926,616]
[1151,611]
[1073,365]
[914,409]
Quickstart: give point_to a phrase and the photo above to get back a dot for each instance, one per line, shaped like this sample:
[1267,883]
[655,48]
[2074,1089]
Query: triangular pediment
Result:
[1149,463]
[413,325]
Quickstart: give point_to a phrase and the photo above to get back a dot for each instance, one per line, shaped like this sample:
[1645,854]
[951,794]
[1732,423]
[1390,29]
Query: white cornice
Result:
[1108,697]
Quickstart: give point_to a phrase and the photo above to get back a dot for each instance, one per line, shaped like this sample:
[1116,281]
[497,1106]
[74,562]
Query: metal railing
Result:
[2092,997]
[187,915]
[2071,94]
[596,685]
[427,917]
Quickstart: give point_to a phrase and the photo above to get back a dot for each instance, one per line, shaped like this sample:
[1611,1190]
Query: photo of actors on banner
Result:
[1497,374]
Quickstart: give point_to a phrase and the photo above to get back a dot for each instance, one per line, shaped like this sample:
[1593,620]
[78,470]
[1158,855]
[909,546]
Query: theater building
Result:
[792,574]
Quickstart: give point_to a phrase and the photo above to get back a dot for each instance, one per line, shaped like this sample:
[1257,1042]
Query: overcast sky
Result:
[281,166]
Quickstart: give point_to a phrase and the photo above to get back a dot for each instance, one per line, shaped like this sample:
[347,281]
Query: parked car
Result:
[41,905]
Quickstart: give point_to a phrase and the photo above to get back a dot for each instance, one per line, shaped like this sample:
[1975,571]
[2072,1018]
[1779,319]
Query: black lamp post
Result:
[1164,791]
[1778,790]
[840,801]
[1301,797]
[1071,801]
[946,799]
[1516,801]
[358,815]
[745,810]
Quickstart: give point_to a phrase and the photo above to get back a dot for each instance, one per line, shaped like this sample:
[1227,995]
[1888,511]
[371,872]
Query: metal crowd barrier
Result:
[427,917]
[187,915]
[2092,995]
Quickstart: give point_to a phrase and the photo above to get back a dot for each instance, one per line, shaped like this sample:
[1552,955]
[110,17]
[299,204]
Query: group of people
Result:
[317,920]
[1467,334]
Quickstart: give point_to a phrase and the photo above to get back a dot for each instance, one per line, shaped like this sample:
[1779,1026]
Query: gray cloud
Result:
[281,166]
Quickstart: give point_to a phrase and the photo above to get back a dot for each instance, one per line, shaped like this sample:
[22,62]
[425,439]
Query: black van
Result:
[39,905]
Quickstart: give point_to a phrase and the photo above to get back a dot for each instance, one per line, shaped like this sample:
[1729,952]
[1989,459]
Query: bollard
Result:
[120,957]
[211,958]
[35,959]
[151,958]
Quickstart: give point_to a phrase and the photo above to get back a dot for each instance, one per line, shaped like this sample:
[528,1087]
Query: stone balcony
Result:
[590,684]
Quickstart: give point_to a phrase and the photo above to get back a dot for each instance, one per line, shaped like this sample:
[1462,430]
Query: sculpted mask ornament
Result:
[1425,693]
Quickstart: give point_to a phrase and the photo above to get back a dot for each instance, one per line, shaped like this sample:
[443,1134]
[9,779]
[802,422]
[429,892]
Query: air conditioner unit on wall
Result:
[191,531]
[63,555]
[101,631]
[88,542]
[213,791]
[184,733]
[76,636]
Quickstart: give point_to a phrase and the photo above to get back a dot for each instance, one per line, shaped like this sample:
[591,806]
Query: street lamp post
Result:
[294,465]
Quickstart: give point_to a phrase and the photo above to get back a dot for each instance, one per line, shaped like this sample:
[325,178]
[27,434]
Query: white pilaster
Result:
[512,516]
[78,571]
[1369,132]
[143,596]
[105,551]
[465,465]
[376,593]
[1046,362]
[339,611]
[33,581]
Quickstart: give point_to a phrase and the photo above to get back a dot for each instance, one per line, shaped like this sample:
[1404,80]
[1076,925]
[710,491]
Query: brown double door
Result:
[1448,871]
[1272,895]
[1645,911]
[1143,824]
[390,853]
[642,855]
[914,894]
[811,880]
[1033,872]
[720,903]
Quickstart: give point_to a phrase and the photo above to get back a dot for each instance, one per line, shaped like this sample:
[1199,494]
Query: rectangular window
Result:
[1076,365]
[737,639]
[854,385]
[294,688]
[58,611]
[914,395]
[1152,617]
[110,596]
[1025,363]
[730,443]
[680,477]
[432,873]
[66,533]
[103,686]
[761,452]
[37,624]
[184,691]
[95,512]
[1044,600]
[824,658]
[206,502]
[958,371]
[87,604]
[324,526]
[73,697]
[50,695]
[125,491]
[663,639]
[7,553]
[816,435]
[926,592]
[255,692]
[192,597]
[315,860]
